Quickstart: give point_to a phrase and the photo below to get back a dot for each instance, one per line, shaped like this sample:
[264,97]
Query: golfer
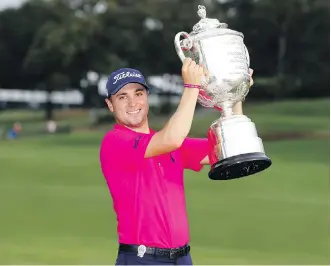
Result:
[144,169]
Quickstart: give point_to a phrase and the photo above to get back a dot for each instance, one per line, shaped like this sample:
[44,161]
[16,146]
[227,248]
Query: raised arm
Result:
[177,128]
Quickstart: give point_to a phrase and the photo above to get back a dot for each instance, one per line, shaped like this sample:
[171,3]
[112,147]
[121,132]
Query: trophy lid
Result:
[206,23]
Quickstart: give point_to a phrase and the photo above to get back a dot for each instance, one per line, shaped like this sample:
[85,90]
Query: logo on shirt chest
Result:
[136,142]
[172,157]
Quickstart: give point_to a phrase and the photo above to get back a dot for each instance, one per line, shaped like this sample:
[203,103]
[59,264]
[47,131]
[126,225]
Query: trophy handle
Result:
[185,44]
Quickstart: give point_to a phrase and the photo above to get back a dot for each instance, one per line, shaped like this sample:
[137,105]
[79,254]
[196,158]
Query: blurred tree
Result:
[17,29]
[285,40]
[59,41]
[55,46]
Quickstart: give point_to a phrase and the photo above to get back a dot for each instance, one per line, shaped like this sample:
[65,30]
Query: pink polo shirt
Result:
[148,194]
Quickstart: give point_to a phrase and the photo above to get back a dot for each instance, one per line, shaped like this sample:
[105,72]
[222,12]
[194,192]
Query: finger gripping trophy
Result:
[235,149]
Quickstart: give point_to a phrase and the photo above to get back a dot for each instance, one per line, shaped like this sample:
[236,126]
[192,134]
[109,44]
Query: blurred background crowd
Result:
[55,57]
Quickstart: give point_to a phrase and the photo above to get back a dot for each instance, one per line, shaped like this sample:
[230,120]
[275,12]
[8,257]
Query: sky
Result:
[10,3]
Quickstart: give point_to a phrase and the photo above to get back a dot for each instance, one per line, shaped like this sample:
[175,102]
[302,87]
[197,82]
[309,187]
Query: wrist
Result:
[237,108]
[192,86]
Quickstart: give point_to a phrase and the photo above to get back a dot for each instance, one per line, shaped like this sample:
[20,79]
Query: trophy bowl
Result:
[235,149]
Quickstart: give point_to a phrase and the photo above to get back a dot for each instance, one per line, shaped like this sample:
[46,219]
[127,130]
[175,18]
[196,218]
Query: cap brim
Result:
[126,83]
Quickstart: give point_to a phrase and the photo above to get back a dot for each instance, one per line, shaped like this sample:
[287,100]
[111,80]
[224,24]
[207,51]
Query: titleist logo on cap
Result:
[123,75]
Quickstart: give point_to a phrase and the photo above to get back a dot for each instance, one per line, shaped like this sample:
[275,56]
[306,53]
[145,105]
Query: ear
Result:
[110,105]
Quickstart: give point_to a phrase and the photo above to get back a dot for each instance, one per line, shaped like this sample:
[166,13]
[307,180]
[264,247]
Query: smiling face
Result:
[130,106]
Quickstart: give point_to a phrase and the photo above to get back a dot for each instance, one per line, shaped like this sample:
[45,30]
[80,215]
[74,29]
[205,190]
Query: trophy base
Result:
[239,166]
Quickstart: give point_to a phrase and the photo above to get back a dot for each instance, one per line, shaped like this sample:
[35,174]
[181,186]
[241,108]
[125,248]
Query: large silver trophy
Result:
[236,150]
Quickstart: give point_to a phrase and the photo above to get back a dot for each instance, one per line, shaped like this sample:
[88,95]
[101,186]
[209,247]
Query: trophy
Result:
[235,149]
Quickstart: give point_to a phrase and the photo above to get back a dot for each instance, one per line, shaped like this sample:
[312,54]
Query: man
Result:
[144,169]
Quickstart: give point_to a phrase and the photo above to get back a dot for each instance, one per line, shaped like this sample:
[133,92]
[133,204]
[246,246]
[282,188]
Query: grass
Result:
[278,117]
[56,208]
[275,117]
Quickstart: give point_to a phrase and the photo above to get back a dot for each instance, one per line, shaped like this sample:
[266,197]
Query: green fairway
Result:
[311,116]
[56,209]
[304,116]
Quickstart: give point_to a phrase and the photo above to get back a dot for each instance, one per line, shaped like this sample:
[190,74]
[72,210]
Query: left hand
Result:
[251,82]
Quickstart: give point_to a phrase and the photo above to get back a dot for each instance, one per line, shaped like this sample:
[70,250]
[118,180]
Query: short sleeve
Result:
[123,151]
[194,150]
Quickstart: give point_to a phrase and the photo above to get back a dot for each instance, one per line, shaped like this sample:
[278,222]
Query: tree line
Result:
[52,44]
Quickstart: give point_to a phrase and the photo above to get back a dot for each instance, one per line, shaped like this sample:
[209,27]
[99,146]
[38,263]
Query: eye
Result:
[122,97]
[139,93]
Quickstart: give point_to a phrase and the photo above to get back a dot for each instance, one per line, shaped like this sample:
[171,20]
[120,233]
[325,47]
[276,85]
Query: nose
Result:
[131,102]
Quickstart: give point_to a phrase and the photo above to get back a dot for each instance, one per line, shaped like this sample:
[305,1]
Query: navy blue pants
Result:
[129,258]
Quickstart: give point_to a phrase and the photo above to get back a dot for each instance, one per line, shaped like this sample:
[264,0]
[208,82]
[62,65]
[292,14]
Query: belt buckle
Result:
[141,251]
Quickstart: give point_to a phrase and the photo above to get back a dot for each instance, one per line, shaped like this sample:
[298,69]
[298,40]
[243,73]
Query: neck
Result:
[143,128]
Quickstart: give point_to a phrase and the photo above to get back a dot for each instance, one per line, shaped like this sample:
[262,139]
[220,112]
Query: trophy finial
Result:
[206,23]
[201,11]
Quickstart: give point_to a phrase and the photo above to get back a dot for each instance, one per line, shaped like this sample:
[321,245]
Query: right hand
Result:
[192,73]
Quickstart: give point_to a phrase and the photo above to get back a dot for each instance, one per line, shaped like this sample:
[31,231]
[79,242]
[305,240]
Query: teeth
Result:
[134,112]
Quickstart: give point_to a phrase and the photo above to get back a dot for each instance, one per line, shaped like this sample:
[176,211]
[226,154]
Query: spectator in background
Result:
[51,126]
[14,132]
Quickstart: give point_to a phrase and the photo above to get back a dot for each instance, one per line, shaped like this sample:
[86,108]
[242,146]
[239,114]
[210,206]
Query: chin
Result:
[134,123]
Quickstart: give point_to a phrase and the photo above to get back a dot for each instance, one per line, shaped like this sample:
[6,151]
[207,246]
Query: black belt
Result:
[171,253]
